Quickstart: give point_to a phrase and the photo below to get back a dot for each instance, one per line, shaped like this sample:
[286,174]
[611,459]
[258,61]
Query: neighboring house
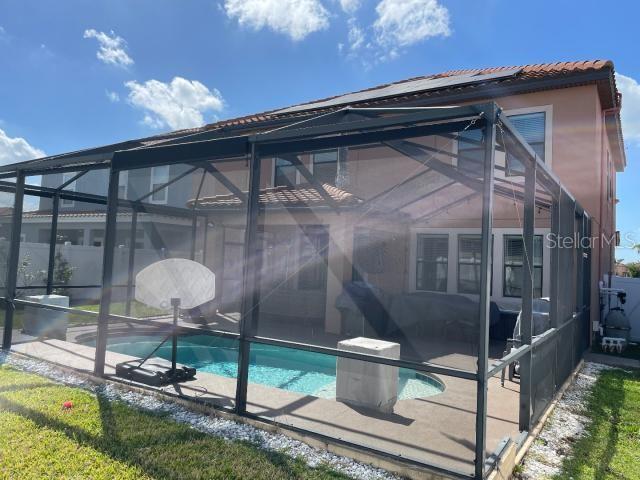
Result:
[621,270]
[569,112]
[81,223]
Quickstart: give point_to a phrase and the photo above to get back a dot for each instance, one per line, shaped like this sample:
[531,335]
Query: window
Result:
[66,176]
[159,176]
[295,258]
[514,269]
[432,262]
[123,183]
[325,166]
[284,173]
[471,153]
[532,127]
[469,259]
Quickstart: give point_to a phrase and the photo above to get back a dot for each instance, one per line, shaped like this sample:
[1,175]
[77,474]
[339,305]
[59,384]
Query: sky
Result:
[79,73]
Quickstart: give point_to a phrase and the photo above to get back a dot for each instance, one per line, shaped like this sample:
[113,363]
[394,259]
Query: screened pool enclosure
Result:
[354,255]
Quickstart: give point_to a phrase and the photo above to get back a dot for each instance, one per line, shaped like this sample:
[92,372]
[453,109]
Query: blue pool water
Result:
[298,371]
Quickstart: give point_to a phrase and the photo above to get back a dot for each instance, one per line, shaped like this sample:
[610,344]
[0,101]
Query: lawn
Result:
[610,449]
[138,310]
[102,439]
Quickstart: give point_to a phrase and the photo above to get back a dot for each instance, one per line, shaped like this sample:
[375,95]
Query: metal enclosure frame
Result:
[342,127]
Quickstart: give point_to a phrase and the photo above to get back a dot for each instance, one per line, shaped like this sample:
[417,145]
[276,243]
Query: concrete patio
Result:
[438,430]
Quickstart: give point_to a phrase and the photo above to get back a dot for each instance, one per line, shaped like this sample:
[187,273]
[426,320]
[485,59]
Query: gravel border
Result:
[220,427]
[565,425]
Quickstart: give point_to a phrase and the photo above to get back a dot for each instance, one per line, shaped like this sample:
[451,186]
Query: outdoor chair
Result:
[541,323]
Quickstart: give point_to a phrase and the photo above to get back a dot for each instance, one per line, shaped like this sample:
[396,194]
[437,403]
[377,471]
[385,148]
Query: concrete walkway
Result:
[612,360]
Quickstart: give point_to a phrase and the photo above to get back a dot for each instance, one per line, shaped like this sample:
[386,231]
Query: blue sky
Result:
[78,73]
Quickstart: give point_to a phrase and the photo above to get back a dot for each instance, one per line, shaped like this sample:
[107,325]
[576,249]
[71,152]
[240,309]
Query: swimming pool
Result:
[298,371]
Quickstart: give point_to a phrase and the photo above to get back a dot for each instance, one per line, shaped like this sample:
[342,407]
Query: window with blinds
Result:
[532,127]
[471,153]
[469,258]
[432,262]
[514,270]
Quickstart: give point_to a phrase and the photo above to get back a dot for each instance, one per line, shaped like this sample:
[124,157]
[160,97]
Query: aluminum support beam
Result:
[485,290]
[250,282]
[107,273]
[12,267]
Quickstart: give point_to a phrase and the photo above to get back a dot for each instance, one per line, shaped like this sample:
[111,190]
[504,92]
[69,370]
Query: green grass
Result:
[101,439]
[138,310]
[610,448]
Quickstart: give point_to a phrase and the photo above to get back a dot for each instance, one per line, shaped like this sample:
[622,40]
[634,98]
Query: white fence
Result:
[85,263]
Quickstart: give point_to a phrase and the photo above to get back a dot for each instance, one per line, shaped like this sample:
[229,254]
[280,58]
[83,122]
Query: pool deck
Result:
[438,430]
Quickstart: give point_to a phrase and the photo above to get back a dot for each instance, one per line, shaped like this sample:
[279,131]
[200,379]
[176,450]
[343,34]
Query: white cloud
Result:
[350,6]
[16,149]
[295,18]
[112,48]
[112,96]
[356,36]
[179,104]
[402,23]
[630,113]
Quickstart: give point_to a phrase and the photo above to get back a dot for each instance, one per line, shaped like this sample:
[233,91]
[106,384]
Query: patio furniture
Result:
[540,324]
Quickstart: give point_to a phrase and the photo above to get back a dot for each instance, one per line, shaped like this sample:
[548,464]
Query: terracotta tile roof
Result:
[291,196]
[527,76]
[528,72]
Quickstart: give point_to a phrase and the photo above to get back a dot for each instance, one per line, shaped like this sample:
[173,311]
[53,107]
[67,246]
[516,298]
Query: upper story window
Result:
[325,166]
[432,262]
[123,183]
[471,153]
[284,173]
[159,177]
[66,176]
[532,126]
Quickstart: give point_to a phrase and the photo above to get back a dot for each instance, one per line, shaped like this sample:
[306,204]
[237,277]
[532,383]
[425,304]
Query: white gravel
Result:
[227,429]
[566,424]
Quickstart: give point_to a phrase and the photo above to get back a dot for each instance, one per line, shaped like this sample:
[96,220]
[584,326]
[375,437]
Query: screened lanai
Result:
[353,253]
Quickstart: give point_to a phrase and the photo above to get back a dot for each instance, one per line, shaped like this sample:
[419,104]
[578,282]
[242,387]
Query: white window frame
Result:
[66,176]
[298,174]
[548,127]
[498,259]
[152,183]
